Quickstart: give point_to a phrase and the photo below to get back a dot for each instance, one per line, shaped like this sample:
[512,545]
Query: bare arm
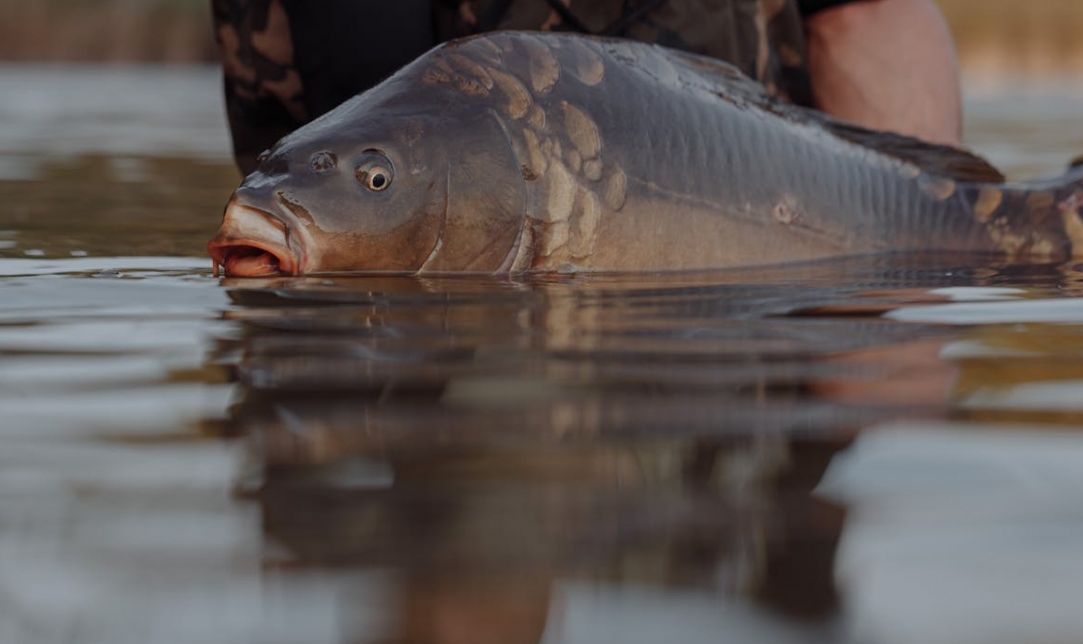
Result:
[888,65]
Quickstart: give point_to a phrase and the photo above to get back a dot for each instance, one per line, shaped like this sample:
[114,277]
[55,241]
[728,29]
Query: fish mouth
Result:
[254,243]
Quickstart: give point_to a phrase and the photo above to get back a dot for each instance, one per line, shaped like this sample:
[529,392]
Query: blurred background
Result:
[1006,40]
[106,30]
[996,38]
[1001,43]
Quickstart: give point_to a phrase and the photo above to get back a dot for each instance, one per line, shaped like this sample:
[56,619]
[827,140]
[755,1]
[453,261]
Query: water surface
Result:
[859,450]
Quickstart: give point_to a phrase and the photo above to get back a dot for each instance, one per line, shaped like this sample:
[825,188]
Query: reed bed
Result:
[1017,39]
[106,31]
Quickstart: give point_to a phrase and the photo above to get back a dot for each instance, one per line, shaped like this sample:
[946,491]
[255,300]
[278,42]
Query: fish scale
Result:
[515,151]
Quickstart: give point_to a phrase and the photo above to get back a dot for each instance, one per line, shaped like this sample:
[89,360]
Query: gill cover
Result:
[486,202]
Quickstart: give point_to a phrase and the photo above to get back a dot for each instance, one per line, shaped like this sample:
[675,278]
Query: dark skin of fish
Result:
[514,152]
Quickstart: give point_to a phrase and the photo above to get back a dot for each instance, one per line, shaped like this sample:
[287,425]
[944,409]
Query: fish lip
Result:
[246,229]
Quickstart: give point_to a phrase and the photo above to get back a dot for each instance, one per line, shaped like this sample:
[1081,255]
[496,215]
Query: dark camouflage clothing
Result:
[288,61]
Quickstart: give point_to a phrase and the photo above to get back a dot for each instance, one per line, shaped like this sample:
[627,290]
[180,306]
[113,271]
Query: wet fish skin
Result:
[518,151]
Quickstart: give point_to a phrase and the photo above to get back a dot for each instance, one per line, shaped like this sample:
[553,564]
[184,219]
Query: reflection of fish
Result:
[539,429]
[512,152]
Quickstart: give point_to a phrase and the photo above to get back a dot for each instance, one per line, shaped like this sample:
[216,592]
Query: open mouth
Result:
[245,258]
[252,243]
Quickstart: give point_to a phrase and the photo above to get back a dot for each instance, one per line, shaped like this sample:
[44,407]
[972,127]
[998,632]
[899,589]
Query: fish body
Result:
[514,151]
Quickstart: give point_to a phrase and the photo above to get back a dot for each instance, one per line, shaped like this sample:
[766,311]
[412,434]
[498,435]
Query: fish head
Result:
[402,178]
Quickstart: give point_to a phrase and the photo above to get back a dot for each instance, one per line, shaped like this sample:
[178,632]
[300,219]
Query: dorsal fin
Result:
[940,160]
[934,158]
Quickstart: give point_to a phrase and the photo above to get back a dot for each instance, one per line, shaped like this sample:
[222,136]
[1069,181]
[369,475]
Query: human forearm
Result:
[887,64]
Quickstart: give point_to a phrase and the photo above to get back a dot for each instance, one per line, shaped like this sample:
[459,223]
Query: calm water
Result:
[865,450]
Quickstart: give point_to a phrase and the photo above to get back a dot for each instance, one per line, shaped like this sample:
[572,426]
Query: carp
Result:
[515,151]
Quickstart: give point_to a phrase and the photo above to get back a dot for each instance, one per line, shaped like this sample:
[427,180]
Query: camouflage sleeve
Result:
[289,61]
[264,93]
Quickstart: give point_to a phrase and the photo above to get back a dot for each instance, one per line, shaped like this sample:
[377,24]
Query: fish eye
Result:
[263,156]
[375,174]
[377,180]
[322,162]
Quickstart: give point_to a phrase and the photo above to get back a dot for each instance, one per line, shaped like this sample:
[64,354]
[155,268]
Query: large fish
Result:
[515,152]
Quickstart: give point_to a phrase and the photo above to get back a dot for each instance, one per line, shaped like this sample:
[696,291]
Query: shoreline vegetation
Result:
[996,39]
[1009,39]
[106,31]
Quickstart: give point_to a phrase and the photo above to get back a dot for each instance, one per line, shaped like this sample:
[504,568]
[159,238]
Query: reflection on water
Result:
[859,450]
[111,161]
[796,454]
[1027,130]
[96,206]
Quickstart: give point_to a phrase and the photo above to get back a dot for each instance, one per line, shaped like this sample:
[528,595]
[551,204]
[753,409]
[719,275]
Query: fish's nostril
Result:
[271,165]
[323,162]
